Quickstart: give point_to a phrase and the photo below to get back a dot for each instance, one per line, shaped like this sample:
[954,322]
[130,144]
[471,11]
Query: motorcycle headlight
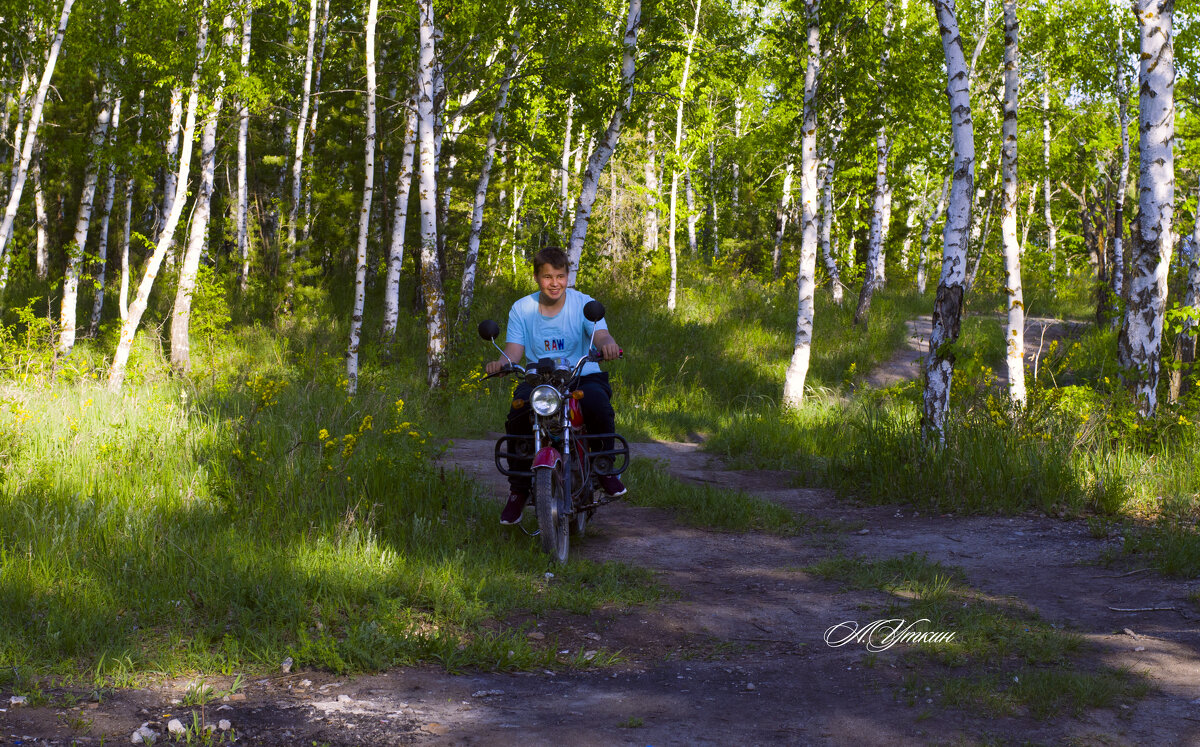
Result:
[545,400]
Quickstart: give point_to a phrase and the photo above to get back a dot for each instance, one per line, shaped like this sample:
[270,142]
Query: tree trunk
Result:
[947,309]
[714,234]
[734,198]
[797,371]
[1047,195]
[930,220]
[874,276]
[172,149]
[651,172]
[39,206]
[565,189]
[30,139]
[1140,340]
[83,222]
[243,174]
[1123,118]
[431,283]
[606,146]
[116,375]
[123,294]
[1191,299]
[467,290]
[302,127]
[781,216]
[311,138]
[364,214]
[687,66]
[110,186]
[689,190]
[827,212]
[181,314]
[391,295]
[1015,329]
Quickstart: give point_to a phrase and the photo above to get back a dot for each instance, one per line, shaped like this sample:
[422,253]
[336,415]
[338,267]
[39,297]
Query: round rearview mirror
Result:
[593,311]
[489,330]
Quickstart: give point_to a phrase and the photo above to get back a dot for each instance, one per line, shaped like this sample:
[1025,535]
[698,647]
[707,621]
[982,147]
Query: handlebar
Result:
[593,357]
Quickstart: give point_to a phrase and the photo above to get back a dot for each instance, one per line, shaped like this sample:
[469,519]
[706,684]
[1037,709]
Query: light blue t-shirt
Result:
[567,334]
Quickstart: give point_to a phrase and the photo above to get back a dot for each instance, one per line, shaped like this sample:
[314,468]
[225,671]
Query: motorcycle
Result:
[566,460]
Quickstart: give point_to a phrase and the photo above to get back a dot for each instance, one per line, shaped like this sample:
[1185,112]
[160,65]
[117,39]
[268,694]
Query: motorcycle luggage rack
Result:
[620,449]
[505,452]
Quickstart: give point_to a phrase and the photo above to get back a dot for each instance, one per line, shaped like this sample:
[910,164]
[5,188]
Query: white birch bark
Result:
[172,150]
[930,220]
[781,215]
[671,250]
[947,309]
[606,146]
[651,174]
[471,264]
[116,374]
[123,293]
[797,371]
[313,117]
[30,135]
[689,189]
[565,188]
[39,206]
[302,127]
[874,276]
[181,313]
[110,186]
[364,215]
[831,266]
[1047,195]
[431,284]
[713,213]
[1015,329]
[83,221]
[391,293]
[1123,119]
[241,217]
[1140,341]
[737,167]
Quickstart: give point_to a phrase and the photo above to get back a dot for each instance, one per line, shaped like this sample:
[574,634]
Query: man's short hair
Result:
[551,255]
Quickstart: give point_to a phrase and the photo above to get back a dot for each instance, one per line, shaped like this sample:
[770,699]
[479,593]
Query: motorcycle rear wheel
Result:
[553,521]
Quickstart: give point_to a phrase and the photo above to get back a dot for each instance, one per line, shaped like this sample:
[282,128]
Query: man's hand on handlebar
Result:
[494,367]
[610,351]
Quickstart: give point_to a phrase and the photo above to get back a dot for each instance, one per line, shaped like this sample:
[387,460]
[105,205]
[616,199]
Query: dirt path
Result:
[905,364]
[738,657]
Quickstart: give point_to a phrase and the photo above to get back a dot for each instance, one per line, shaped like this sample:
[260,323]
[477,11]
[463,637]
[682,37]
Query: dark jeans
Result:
[598,417]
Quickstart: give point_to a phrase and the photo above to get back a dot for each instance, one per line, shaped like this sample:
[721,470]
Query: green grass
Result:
[706,506]
[1002,660]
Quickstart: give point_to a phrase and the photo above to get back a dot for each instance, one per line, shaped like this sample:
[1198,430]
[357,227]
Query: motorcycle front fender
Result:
[547,457]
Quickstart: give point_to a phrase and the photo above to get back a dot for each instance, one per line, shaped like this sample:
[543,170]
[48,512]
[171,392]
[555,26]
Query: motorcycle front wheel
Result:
[553,522]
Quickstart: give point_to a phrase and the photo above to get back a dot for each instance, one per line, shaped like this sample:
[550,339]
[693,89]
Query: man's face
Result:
[552,282]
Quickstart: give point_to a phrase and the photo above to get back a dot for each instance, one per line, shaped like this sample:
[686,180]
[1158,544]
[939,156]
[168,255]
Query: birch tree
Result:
[83,222]
[110,185]
[181,314]
[687,64]
[947,308]
[364,215]
[431,282]
[391,293]
[607,145]
[30,139]
[1140,340]
[1015,330]
[1123,119]
[926,229]
[873,276]
[241,216]
[116,373]
[467,289]
[651,179]
[302,127]
[797,371]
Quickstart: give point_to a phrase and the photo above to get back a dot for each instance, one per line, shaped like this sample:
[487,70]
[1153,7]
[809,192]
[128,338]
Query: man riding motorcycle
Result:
[550,324]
